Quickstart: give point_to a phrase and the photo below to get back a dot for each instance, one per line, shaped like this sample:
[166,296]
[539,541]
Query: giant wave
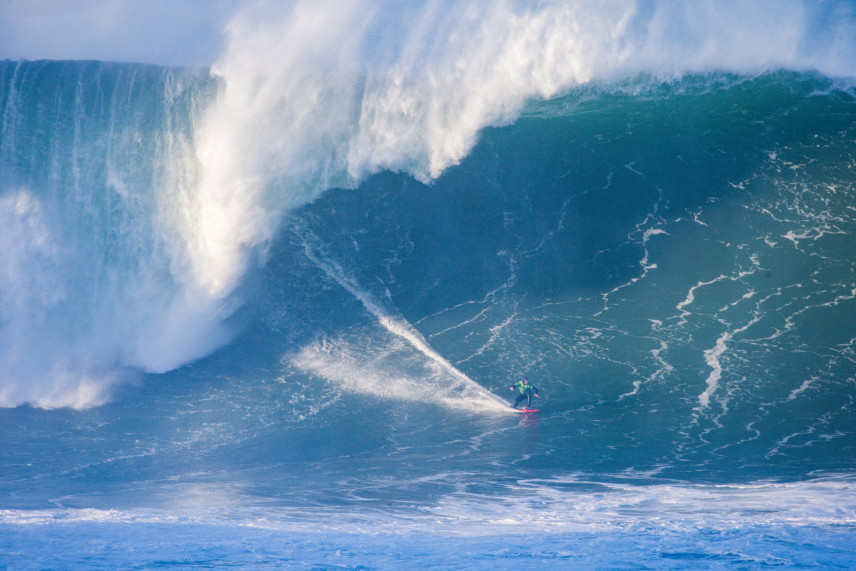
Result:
[165,186]
[296,287]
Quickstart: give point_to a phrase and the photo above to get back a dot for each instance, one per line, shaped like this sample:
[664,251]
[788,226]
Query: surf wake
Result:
[387,367]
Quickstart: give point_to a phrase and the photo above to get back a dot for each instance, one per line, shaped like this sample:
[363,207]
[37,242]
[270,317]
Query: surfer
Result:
[526,392]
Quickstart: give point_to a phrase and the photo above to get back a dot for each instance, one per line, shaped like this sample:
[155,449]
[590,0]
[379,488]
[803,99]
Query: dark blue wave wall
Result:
[673,267]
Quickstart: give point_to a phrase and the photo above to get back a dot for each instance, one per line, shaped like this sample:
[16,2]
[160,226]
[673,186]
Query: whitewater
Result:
[266,313]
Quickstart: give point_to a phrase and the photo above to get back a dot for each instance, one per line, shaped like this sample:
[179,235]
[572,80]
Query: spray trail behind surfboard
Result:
[378,370]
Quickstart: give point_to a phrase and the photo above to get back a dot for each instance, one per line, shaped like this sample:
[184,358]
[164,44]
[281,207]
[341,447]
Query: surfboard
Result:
[527,409]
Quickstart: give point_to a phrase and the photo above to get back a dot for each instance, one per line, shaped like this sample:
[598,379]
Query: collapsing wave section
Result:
[316,94]
[400,365]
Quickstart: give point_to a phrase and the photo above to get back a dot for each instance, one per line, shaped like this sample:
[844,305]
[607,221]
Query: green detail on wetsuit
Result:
[523,387]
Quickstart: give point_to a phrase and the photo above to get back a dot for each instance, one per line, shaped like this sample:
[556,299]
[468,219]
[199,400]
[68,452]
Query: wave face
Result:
[285,306]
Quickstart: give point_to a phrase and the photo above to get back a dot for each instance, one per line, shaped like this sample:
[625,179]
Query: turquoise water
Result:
[248,375]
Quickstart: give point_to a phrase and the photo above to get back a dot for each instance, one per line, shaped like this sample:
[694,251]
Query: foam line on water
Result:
[544,505]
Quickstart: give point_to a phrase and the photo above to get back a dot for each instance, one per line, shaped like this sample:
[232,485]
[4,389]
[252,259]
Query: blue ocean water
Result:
[261,316]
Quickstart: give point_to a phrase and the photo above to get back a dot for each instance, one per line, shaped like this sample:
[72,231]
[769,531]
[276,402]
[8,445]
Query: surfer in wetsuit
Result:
[526,392]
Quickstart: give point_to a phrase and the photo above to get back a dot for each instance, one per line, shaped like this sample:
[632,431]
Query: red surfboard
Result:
[527,409]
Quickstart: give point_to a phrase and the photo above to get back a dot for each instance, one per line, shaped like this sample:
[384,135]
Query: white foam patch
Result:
[571,505]
[676,506]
